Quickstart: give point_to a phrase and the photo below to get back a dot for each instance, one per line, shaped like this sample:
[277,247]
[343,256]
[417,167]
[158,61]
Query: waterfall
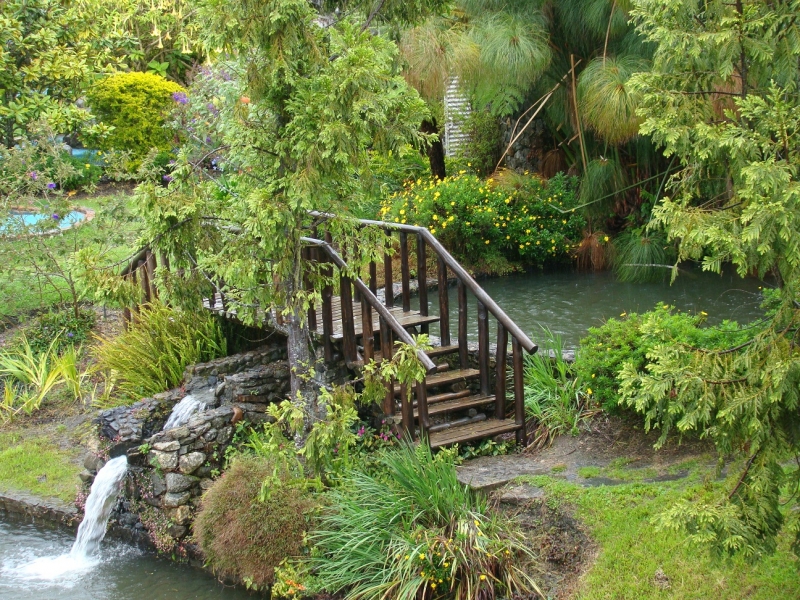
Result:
[183,411]
[105,489]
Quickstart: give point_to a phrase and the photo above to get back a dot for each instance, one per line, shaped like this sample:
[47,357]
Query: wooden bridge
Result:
[463,398]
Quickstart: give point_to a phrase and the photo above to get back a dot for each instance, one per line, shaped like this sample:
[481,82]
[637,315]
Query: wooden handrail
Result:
[374,303]
[461,273]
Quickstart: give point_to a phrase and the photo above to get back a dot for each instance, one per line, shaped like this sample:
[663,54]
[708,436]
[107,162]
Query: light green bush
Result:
[136,105]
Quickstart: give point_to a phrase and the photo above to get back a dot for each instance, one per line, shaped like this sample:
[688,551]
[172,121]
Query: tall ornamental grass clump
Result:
[151,355]
[511,219]
[413,531]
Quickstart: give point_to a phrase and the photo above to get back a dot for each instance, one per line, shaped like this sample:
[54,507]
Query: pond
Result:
[568,302]
[20,220]
[35,563]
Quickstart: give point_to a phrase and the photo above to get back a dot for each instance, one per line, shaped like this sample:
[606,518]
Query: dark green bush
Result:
[136,105]
[630,338]
[245,537]
[514,218]
[62,326]
[482,149]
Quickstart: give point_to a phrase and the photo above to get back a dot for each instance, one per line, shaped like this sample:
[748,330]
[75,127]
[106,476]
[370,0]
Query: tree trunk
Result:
[435,150]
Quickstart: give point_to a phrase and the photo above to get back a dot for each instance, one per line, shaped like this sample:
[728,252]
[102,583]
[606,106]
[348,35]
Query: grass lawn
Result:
[35,462]
[630,550]
[113,228]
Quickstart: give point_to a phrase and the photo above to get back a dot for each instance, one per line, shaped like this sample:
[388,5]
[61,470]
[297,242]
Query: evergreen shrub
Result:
[136,105]
[482,149]
[515,218]
[246,534]
[58,330]
[629,340]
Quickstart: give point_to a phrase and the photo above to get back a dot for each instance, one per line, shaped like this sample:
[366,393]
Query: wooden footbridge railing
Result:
[462,398]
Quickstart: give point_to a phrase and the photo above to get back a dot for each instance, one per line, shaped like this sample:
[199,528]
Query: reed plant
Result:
[555,396]
[642,256]
[411,531]
[151,355]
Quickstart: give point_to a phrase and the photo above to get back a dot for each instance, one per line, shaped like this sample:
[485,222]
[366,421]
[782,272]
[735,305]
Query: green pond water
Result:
[568,303]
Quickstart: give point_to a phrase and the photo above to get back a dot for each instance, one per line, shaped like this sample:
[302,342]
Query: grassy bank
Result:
[36,461]
[632,555]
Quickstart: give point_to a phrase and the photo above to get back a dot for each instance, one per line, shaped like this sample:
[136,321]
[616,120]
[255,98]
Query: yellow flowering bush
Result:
[531,222]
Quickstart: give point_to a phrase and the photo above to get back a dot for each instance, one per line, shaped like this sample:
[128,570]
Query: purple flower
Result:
[361,431]
[167,178]
[70,334]
[55,216]
[180,97]
[33,175]
[51,186]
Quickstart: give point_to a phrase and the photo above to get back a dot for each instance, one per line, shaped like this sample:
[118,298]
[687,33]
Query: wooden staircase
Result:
[461,399]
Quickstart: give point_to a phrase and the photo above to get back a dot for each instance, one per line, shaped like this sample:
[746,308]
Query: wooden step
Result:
[472,431]
[407,320]
[456,404]
[446,378]
[442,350]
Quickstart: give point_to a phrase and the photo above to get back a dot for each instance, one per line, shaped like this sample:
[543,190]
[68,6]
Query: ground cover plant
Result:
[509,220]
[413,530]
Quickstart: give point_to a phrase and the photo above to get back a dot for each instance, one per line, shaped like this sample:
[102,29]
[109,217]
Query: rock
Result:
[190,462]
[93,463]
[179,483]
[165,460]
[159,485]
[178,433]
[205,484]
[128,520]
[225,435]
[220,389]
[204,471]
[177,531]
[86,476]
[166,446]
[176,500]
[183,514]
[521,494]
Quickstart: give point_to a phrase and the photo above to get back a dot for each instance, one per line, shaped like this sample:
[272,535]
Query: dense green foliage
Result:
[413,531]
[517,219]
[136,105]
[245,534]
[626,343]
[481,149]
[60,329]
[722,99]
[151,355]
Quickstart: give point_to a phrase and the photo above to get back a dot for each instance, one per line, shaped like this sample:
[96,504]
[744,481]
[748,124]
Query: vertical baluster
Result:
[519,392]
[150,266]
[463,348]
[373,278]
[407,411]
[422,408]
[404,274]
[126,312]
[483,347]
[135,281]
[444,304]
[165,261]
[388,284]
[143,280]
[368,334]
[386,353]
[422,280]
[348,321]
[500,383]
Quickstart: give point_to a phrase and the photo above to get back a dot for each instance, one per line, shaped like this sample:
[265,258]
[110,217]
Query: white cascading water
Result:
[183,411]
[105,489]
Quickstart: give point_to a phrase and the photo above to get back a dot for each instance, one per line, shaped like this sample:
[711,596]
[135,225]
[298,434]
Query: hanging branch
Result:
[577,115]
[540,103]
[608,31]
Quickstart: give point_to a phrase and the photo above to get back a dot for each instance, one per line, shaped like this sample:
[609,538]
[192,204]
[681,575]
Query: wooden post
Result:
[404,274]
[444,304]
[483,347]
[422,280]
[388,284]
[373,278]
[407,411]
[143,280]
[519,392]
[463,348]
[386,353]
[150,266]
[422,408]
[367,337]
[500,383]
[126,312]
[348,321]
[327,317]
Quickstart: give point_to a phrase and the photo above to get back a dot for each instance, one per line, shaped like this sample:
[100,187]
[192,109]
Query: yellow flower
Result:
[593,375]
[508,237]
[402,211]
[487,241]
[435,217]
[452,203]
[704,313]
[407,557]
[433,231]
[589,391]
[477,523]
[433,586]
[469,164]
[461,172]
[446,565]
[605,239]
[623,314]
[422,557]
[87,165]
[483,577]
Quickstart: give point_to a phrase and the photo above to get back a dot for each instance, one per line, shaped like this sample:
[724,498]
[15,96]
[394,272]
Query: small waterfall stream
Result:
[183,411]
[105,489]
